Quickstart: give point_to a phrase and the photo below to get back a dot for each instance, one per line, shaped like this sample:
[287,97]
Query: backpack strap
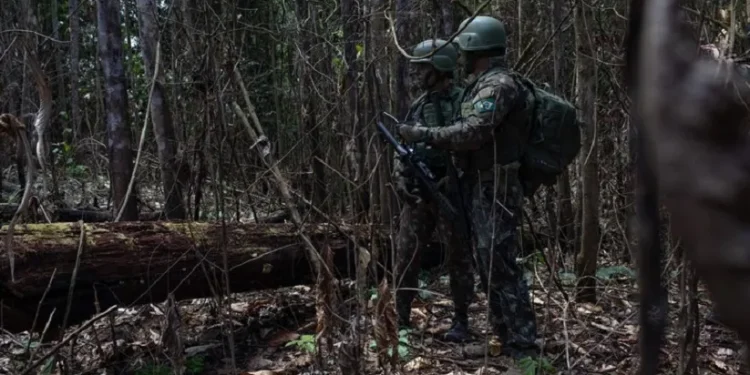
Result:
[523,81]
[416,108]
[438,108]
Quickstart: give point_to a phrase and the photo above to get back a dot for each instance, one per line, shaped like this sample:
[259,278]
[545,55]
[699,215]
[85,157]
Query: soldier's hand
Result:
[407,192]
[412,133]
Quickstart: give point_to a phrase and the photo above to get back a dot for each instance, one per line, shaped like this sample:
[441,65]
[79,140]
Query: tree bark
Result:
[586,87]
[132,263]
[112,59]
[565,219]
[404,32]
[161,113]
[75,40]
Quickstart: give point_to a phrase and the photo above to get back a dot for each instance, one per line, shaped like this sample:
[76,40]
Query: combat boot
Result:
[459,331]
[404,317]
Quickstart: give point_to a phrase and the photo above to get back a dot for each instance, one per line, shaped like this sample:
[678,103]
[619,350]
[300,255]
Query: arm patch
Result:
[484,100]
[484,105]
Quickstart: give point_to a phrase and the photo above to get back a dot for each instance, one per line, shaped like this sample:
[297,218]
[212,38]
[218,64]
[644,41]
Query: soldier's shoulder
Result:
[497,77]
[493,84]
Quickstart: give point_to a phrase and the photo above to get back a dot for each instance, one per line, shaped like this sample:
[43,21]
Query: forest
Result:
[200,187]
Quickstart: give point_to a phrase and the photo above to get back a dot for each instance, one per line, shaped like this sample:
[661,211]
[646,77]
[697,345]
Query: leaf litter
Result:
[274,333]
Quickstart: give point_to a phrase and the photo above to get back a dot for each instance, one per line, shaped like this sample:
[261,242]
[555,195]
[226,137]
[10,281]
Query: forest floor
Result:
[273,334]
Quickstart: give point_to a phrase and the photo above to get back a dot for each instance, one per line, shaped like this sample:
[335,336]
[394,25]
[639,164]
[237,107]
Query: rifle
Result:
[426,180]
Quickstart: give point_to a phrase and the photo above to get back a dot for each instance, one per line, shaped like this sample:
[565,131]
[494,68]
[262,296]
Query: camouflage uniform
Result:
[488,141]
[419,220]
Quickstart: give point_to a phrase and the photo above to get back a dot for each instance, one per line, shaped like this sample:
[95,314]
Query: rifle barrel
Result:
[389,137]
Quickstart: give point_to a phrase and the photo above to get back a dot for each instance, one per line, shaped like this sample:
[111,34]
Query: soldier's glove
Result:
[412,133]
[407,191]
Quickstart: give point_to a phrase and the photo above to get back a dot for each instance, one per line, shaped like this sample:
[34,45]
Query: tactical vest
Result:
[425,110]
[510,138]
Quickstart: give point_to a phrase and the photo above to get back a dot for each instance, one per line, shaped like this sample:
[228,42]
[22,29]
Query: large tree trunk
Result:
[132,263]
[116,102]
[161,114]
[586,87]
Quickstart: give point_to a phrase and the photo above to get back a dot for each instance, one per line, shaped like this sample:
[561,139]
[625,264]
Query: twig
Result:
[257,136]
[62,343]
[74,276]
[39,306]
[459,31]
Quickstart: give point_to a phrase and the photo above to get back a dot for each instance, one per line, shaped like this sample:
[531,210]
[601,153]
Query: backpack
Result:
[554,138]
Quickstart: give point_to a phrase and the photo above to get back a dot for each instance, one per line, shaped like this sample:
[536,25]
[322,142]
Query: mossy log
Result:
[132,263]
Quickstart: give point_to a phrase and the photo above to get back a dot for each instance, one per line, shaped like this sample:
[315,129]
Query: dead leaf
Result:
[282,337]
[720,364]
[496,347]
[588,308]
[417,364]
[240,306]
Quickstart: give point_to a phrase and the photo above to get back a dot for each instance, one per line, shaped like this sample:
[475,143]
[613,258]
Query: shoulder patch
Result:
[484,105]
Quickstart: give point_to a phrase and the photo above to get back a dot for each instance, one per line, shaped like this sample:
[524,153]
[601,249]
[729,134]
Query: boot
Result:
[404,317]
[459,331]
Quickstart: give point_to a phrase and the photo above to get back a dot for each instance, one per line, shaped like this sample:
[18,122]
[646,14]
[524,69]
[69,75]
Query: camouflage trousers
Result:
[496,208]
[417,224]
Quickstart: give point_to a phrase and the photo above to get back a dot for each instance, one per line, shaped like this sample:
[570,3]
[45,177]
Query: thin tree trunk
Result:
[116,103]
[446,10]
[161,114]
[404,32]
[75,41]
[586,87]
[565,219]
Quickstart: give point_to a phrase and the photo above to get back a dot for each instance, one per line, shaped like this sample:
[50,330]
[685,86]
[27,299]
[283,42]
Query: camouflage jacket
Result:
[492,125]
[423,111]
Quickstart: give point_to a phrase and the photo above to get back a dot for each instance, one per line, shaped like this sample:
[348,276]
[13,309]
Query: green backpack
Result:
[554,138]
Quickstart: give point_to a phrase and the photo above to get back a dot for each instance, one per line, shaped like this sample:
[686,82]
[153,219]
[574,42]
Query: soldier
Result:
[488,138]
[432,75]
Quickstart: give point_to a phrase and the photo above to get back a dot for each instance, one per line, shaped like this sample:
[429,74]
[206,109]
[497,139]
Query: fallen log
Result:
[69,215]
[132,263]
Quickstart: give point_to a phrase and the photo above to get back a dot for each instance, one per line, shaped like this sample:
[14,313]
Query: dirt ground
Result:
[273,333]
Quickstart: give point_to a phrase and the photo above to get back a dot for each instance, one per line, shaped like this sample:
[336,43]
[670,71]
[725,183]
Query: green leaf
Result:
[360,48]
[403,351]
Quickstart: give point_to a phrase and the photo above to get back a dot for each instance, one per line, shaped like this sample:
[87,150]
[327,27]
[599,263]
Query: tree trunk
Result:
[132,263]
[112,59]
[404,31]
[161,114]
[310,63]
[350,114]
[565,219]
[75,40]
[586,87]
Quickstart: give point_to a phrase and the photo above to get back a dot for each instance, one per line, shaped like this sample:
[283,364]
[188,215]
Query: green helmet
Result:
[443,60]
[483,33]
